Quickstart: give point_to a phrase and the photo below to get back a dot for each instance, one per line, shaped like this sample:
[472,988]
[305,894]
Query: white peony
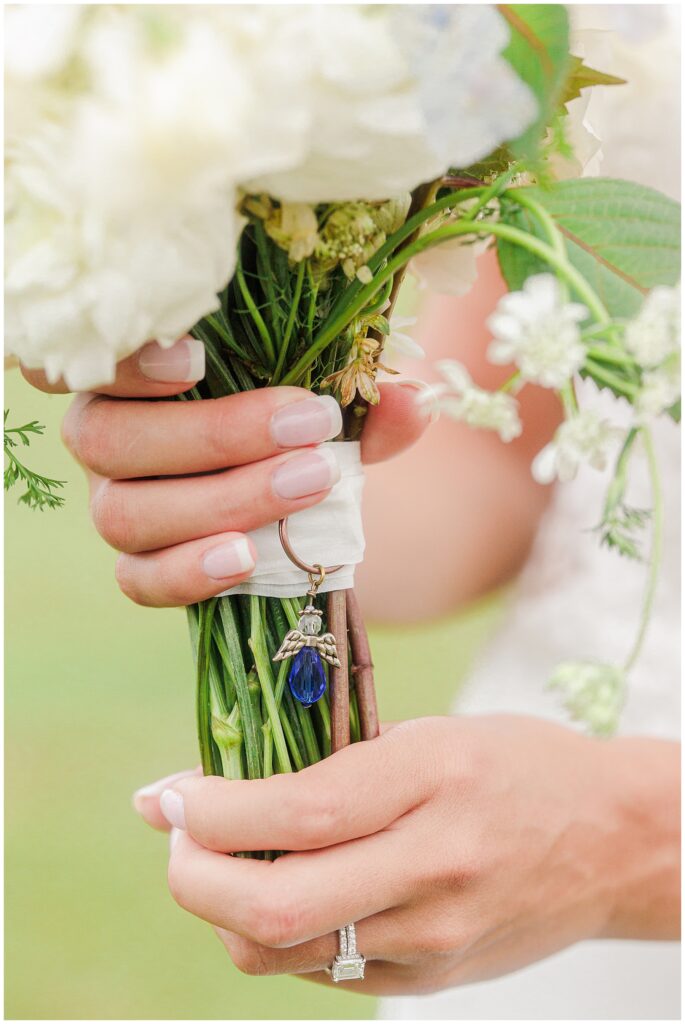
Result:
[584,439]
[463,400]
[400,94]
[132,130]
[537,329]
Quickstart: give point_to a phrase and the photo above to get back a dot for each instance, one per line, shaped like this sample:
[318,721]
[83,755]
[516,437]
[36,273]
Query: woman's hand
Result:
[175,486]
[463,848]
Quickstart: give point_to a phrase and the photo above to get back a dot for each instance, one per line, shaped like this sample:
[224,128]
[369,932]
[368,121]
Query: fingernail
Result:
[171,806]
[315,419]
[306,474]
[184,361]
[155,788]
[174,836]
[230,559]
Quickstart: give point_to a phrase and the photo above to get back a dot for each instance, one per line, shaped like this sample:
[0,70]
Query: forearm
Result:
[644,901]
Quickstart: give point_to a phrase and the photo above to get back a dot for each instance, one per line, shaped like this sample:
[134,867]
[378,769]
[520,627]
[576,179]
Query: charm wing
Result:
[327,648]
[293,642]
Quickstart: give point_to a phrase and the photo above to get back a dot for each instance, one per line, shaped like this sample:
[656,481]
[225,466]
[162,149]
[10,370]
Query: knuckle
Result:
[321,818]
[85,432]
[277,921]
[111,513]
[125,572]
[216,426]
[249,957]
[205,821]
[177,882]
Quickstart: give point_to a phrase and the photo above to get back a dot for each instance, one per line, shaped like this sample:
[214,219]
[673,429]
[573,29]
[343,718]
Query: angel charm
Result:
[307,679]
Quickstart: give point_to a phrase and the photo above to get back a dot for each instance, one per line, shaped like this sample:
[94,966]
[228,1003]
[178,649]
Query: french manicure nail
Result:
[155,788]
[306,474]
[307,422]
[171,806]
[184,361]
[234,558]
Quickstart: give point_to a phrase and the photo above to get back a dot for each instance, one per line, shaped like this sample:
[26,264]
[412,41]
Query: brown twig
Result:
[339,677]
[362,669]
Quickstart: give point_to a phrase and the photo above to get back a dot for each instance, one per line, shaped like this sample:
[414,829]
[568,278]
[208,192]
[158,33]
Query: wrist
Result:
[643,901]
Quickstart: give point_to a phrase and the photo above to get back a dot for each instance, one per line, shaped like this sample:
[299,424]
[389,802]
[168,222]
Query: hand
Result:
[175,486]
[463,848]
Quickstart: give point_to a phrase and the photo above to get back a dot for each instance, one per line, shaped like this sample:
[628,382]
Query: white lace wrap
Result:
[330,533]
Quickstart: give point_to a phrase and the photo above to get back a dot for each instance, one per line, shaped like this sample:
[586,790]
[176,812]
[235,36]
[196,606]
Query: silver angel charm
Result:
[306,635]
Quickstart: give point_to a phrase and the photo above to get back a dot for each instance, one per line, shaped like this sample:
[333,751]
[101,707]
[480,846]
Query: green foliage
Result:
[581,76]
[620,528]
[40,489]
[622,237]
[538,52]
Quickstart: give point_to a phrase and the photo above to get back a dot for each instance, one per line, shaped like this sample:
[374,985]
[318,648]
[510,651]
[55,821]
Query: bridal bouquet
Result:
[264,176]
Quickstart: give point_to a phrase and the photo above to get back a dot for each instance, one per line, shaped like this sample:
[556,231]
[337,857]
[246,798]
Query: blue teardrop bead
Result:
[307,679]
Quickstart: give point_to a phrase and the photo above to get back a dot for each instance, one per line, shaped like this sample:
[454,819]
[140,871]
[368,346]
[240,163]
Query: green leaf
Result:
[538,52]
[581,76]
[624,238]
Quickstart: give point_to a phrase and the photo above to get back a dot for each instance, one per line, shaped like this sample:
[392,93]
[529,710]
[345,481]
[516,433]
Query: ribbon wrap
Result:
[330,533]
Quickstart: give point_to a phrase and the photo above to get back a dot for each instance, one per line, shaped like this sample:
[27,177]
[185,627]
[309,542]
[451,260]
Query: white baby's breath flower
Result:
[583,439]
[654,334]
[461,399]
[592,692]
[538,331]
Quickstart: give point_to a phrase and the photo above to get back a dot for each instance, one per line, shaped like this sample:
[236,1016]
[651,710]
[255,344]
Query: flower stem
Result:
[656,552]
[335,324]
[257,644]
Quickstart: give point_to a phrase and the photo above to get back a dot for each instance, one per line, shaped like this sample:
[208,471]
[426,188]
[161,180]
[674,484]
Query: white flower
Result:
[80,296]
[398,343]
[654,334]
[660,388]
[461,399]
[538,331]
[584,438]
[132,130]
[399,94]
[592,692]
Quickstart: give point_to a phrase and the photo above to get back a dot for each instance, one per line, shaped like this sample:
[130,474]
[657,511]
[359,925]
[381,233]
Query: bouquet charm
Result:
[307,680]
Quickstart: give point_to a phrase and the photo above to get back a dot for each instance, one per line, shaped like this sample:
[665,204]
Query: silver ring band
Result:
[349,964]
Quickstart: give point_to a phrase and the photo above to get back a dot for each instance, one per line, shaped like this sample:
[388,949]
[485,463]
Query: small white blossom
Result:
[660,389]
[584,438]
[461,399]
[654,334]
[538,331]
[399,344]
[592,692]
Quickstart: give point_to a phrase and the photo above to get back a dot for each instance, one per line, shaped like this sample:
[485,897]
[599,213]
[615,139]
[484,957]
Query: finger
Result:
[298,897]
[359,790]
[146,799]
[120,439]
[388,936]
[186,573]
[151,372]
[133,515]
[396,422]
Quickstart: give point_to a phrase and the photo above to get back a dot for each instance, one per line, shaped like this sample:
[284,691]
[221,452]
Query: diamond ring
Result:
[348,964]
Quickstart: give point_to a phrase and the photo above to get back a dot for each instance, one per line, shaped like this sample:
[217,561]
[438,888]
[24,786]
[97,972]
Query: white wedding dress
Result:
[577,600]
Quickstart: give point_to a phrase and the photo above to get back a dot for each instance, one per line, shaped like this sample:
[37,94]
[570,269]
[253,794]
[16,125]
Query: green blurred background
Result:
[99,701]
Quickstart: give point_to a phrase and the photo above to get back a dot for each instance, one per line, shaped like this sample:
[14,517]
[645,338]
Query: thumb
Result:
[397,422]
